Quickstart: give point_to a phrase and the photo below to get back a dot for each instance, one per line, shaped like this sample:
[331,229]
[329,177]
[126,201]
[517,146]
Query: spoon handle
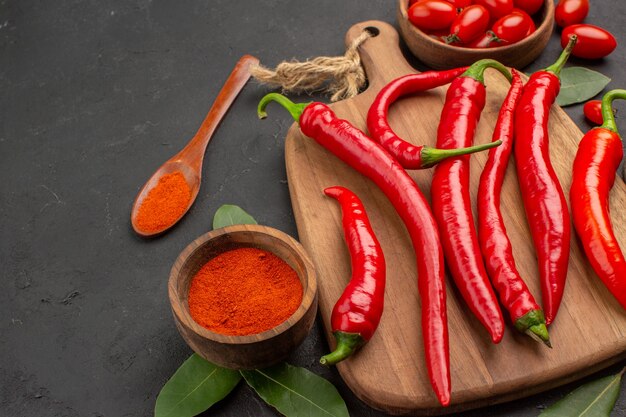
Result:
[193,153]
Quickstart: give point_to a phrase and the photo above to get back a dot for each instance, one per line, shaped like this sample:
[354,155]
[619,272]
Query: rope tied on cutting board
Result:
[340,76]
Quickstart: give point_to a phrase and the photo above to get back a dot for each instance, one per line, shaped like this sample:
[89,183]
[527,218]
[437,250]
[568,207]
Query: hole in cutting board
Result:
[374,31]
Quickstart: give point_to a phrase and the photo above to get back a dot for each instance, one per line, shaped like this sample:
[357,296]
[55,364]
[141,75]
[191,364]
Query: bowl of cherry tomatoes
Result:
[453,33]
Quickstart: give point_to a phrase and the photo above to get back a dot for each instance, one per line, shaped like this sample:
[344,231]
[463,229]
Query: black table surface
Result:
[95,95]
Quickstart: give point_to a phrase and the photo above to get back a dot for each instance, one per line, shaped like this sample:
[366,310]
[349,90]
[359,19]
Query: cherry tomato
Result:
[570,12]
[432,14]
[529,6]
[531,28]
[412,2]
[496,8]
[511,28]
[469,24]
[593,111]
[460,4]
[487,40]
[593,41]
[528,19]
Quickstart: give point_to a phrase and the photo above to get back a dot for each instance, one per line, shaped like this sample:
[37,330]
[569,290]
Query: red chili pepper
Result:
[494,242]
[409,155]
[352,146]
[544,201]
[356,314]
[451,198]
[598,157]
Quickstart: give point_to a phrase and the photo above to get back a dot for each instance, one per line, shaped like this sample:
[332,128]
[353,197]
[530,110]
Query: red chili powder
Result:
[244,291]
[164,203]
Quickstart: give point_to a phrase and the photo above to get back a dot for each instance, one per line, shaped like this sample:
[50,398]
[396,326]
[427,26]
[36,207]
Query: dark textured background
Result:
[94,96]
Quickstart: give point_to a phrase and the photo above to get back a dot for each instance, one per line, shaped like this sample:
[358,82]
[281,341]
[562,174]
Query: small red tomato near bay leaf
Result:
[472,22]
[496,8]
[570,12]
[593,41]
[593,111]
[529,6]
[432,14]
[511,28]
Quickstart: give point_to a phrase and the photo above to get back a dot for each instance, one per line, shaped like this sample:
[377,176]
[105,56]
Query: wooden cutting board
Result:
[390,373]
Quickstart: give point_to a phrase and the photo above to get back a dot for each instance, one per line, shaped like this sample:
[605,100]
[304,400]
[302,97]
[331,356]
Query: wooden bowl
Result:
[439,55]
[250,351]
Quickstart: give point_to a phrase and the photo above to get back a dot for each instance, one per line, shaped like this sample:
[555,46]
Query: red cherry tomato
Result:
[432,14]
[412,2]
[593,111]
[496,8]
[528,19]
[531,28]
[487,40]
[511,28]
[460,4]
[593,41]
[469,24]
[529,6]
[570,12]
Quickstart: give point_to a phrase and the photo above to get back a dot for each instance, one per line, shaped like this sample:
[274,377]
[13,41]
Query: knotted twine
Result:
[340,76]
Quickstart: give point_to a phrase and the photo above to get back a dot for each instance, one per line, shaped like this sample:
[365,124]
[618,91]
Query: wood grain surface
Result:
[390,373]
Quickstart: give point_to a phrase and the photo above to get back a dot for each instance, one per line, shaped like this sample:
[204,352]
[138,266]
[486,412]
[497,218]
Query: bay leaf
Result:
[194,387]
[228,215]
[296,392]
[594,399]
[579,84]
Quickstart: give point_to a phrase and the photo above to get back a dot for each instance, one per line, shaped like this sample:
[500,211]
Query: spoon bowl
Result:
[176,164]
[189,160]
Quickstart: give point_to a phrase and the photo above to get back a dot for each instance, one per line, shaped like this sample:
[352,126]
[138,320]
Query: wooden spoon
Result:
[189,160]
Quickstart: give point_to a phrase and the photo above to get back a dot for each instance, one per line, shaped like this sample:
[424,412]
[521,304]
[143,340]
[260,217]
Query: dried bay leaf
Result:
[196,386]
[228,215]
[579,84]
[594,399]
[296,392]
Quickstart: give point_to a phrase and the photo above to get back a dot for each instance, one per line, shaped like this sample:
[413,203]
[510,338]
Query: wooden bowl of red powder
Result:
[243,296]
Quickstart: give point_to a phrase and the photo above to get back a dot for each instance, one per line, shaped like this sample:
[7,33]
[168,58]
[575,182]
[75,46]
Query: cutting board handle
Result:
[380,55]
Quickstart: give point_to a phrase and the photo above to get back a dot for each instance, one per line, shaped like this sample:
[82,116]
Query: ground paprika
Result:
[244,291]
[164,204]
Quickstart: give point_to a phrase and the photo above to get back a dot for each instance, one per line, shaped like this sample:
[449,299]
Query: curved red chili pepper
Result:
[352,146]
[544,201]
[357,312]
[494,242]
[598,157]
[409,155]
[451,198]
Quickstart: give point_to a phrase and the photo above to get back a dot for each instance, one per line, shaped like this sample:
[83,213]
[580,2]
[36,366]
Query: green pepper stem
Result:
[347,343]
[477,70]
[558,65]
[432,156]
[608,118]
[295,109]
[533,324]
